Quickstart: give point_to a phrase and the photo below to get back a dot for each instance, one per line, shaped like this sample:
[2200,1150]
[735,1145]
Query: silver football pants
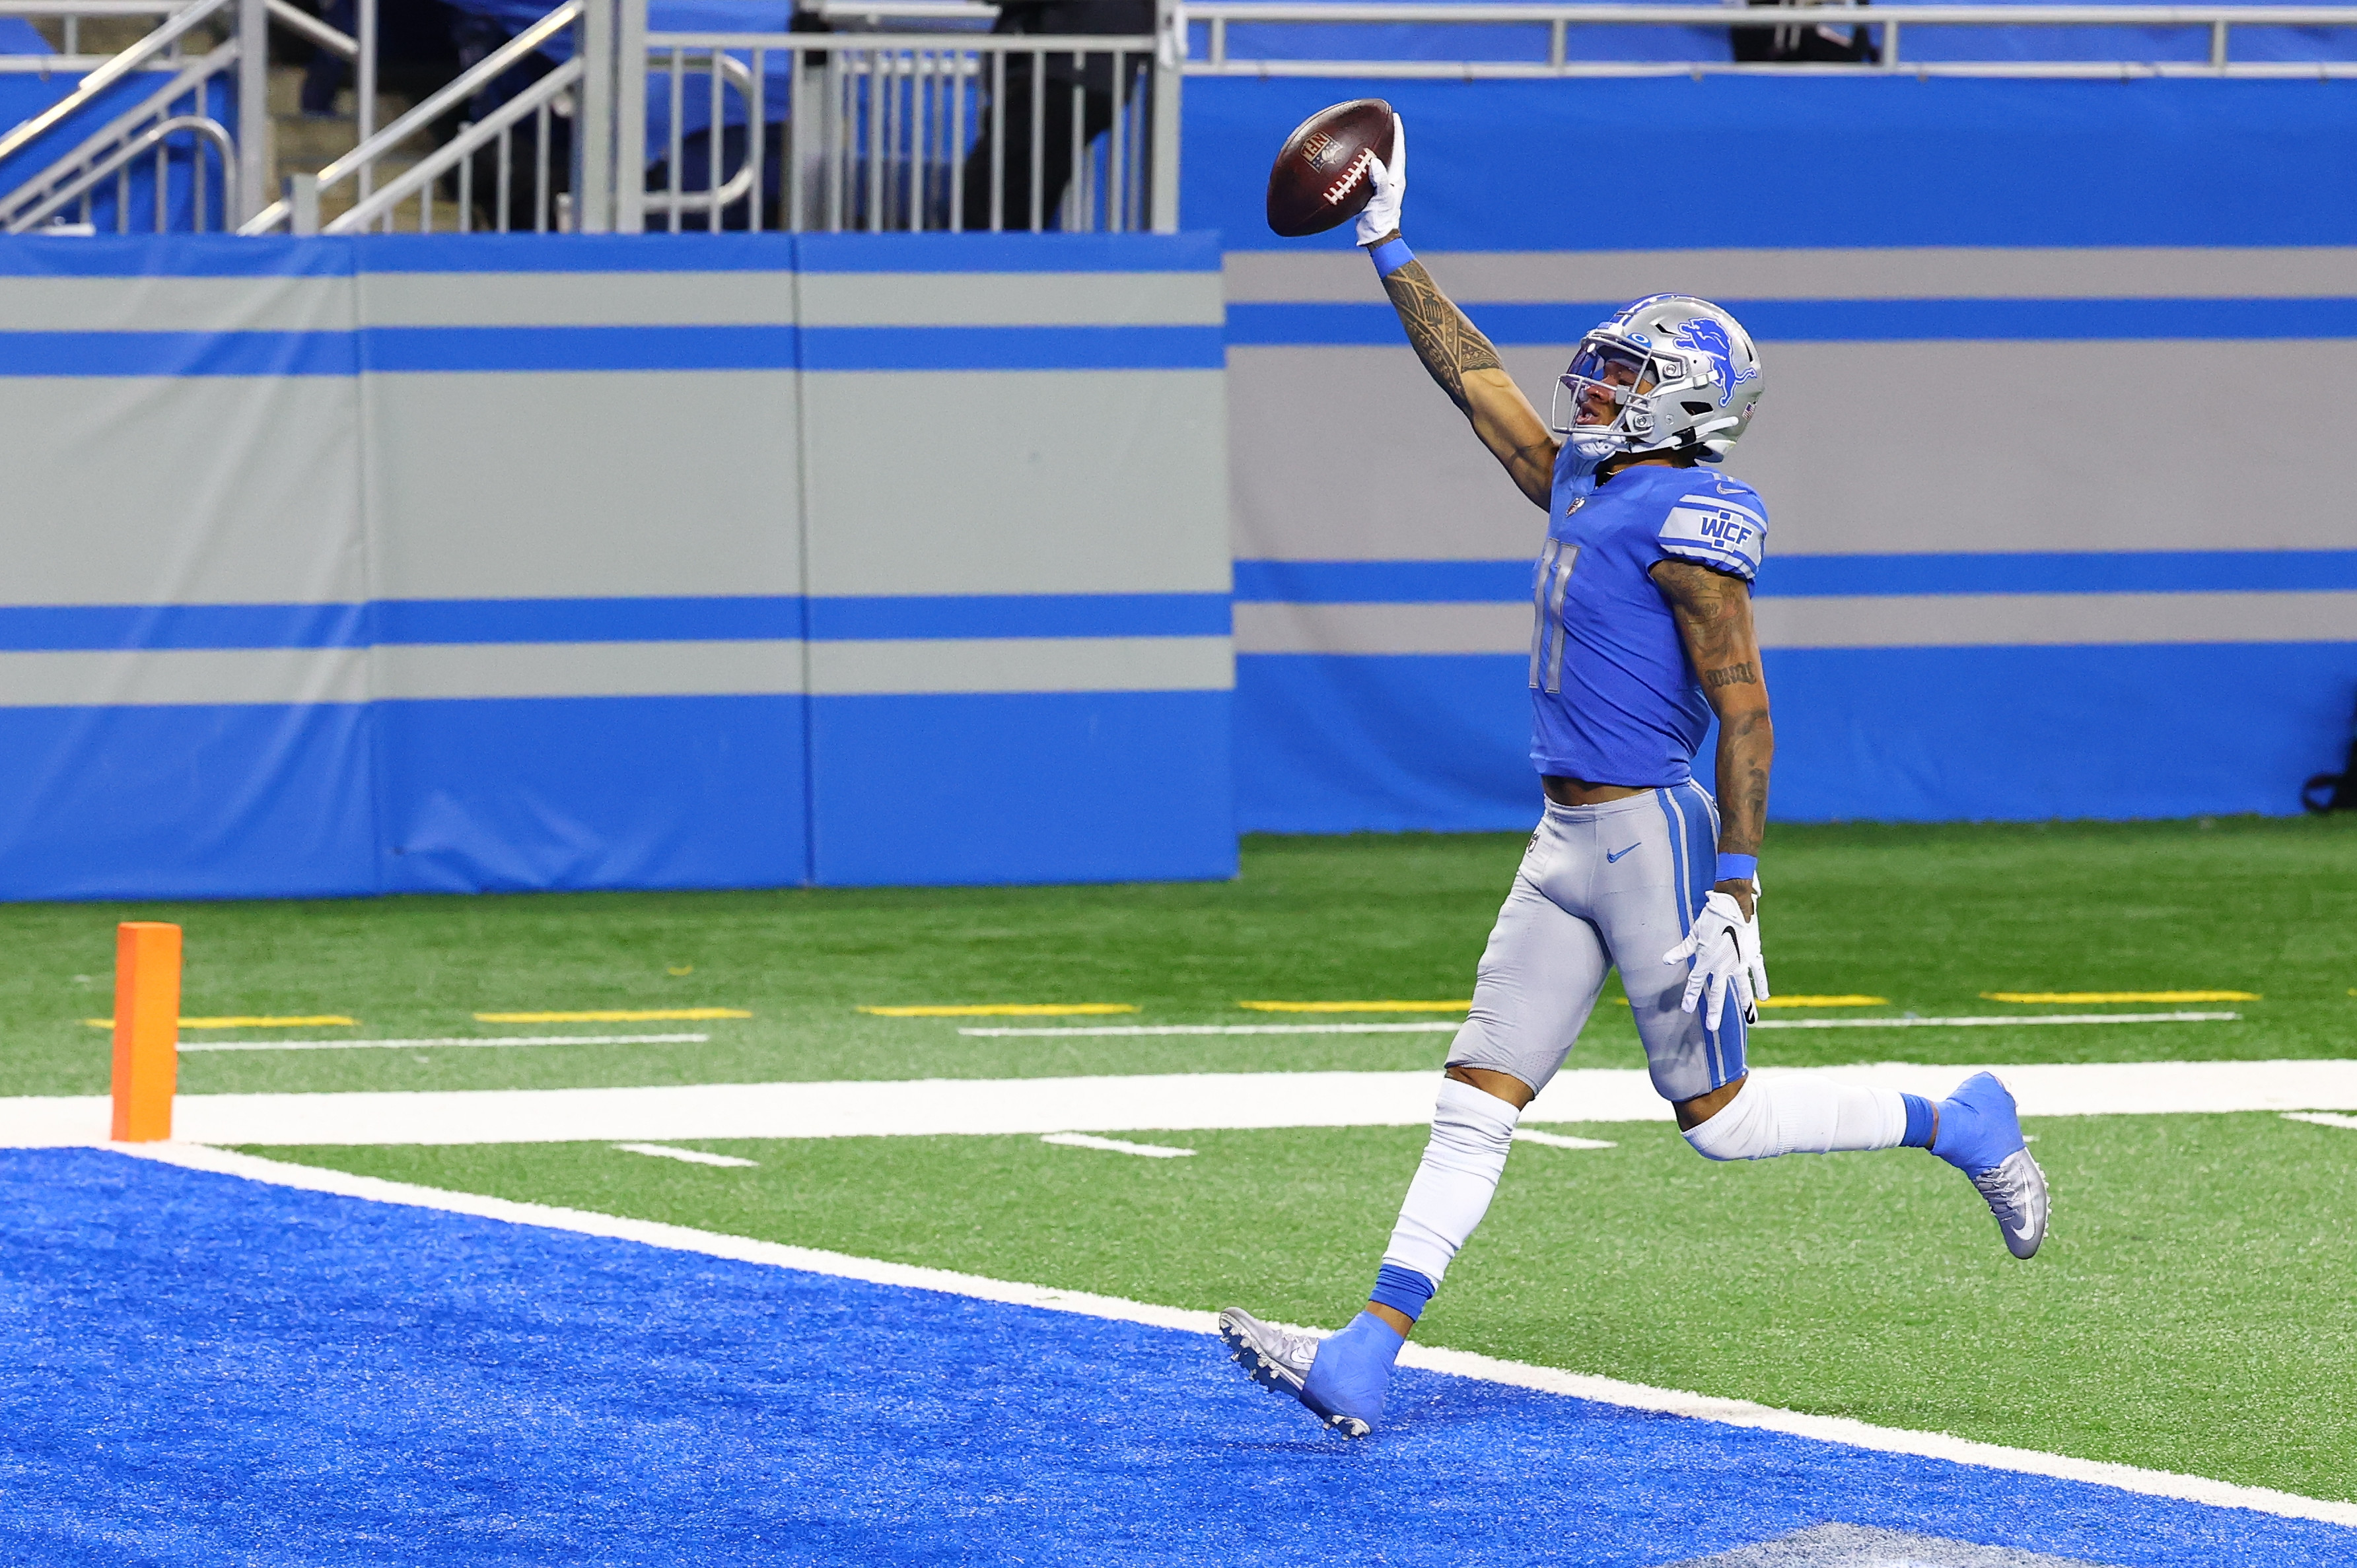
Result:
[1603,885]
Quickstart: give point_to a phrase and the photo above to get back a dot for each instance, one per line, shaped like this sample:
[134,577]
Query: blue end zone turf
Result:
[198,1369]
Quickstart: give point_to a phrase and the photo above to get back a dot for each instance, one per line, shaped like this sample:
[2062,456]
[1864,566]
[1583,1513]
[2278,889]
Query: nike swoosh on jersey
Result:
[1612,858]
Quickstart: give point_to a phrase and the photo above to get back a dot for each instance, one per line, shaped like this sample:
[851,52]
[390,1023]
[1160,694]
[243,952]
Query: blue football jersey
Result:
[1614,698]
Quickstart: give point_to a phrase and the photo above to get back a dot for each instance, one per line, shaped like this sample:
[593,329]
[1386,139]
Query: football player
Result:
[1642,611]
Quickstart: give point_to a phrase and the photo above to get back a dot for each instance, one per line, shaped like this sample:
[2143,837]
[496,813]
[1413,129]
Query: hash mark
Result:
[1560,1140]
[1116,1145]
[692,1156]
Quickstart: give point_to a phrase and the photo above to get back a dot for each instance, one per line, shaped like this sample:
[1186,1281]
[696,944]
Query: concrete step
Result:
[305,144]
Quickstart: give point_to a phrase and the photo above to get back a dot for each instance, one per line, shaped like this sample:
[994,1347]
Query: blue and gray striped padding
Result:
[443,564]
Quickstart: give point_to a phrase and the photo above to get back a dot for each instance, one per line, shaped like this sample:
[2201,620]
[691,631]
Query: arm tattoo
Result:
[1448,344]
[1712,612]
[1740,674]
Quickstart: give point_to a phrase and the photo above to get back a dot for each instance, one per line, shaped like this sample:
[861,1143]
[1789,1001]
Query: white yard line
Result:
[1449,1027]
[1559,1140]
[1996,1023]
[453,1040]
[1438,1027]
[691,1156]
[2321,1118]
[1116,1145]
[1168,1102]
[1456,1363]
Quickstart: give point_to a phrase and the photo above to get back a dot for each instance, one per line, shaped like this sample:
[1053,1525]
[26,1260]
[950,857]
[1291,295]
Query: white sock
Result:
[1472,1132]
[1786,1115]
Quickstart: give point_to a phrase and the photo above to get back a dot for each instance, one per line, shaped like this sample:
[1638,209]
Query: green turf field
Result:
[2191,1309]
[1929,917]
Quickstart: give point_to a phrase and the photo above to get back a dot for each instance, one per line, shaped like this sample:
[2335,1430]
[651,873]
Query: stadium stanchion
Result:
[146,1029]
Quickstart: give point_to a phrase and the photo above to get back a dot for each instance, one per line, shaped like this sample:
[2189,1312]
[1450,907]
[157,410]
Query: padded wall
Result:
[519,562]
[2054,370]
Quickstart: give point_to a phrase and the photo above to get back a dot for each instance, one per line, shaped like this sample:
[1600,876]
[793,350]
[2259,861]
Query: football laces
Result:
[1350,176]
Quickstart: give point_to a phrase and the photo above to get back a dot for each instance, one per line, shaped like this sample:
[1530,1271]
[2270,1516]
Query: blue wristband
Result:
[1391,256]
[1737,867]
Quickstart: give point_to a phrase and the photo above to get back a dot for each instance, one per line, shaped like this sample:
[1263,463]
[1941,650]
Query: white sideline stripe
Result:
[452,1040]
[1171,1102]
[1559,1140]
[1455,1363]
[1986,1023]
[1763,1024]
[1235,1029]
[2321,1118]
[1116,1145]
[692,1156]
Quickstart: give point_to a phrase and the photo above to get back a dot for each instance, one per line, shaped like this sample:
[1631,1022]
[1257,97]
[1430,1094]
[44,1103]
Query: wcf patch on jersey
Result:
[1715,531]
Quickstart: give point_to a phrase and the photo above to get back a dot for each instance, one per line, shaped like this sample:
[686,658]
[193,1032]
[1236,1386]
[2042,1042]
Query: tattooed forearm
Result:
[1448,344]
[1747,746]
[1732,675]
[1466,365]
[1713,616]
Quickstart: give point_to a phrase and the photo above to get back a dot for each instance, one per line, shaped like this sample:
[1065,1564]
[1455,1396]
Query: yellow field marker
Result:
[612,1015]
[2121,996]
[304,1023]
[1356,1006]
[1006,1010]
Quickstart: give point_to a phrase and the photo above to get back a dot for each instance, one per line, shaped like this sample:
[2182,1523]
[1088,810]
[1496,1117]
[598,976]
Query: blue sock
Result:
[1404,1291]
[1919,1123]
[1978,1126]
[1353,1369]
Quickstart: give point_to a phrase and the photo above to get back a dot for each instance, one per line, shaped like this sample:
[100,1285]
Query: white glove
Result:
[1724,948]
[1382,213]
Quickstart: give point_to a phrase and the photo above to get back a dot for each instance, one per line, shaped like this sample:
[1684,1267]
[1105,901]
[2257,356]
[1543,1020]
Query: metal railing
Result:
[913,118]
[905,133]
[118,162]
[495,136]
[1889,24]
[865,131]
[176,120]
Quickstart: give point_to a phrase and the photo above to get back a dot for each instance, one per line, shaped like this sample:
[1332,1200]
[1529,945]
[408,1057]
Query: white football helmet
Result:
[1670,372]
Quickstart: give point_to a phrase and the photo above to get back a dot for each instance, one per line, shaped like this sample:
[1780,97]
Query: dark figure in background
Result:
[418,53]
[1093,75]
[1797,41]
[2333,791]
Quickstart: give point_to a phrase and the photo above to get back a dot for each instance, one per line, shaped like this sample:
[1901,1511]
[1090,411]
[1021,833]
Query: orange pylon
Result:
[146,1029]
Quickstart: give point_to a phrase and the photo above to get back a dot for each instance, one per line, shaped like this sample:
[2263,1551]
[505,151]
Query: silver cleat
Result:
[2015,1190]
[1278,1361]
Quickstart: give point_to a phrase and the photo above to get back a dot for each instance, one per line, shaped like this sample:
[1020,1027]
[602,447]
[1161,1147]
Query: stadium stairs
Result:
[305,144]
[300,142]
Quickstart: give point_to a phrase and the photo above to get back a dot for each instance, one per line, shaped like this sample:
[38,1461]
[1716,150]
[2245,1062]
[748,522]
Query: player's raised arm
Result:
[1453,349]
[1713,611]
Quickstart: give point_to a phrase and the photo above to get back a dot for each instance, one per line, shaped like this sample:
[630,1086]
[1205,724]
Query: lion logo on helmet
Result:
[1710,338]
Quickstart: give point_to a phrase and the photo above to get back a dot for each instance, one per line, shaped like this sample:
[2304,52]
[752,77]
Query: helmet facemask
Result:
[1668,374]
[1611,383]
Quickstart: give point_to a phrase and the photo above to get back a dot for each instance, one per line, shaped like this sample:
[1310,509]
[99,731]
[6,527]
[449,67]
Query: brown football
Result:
[1320,177]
